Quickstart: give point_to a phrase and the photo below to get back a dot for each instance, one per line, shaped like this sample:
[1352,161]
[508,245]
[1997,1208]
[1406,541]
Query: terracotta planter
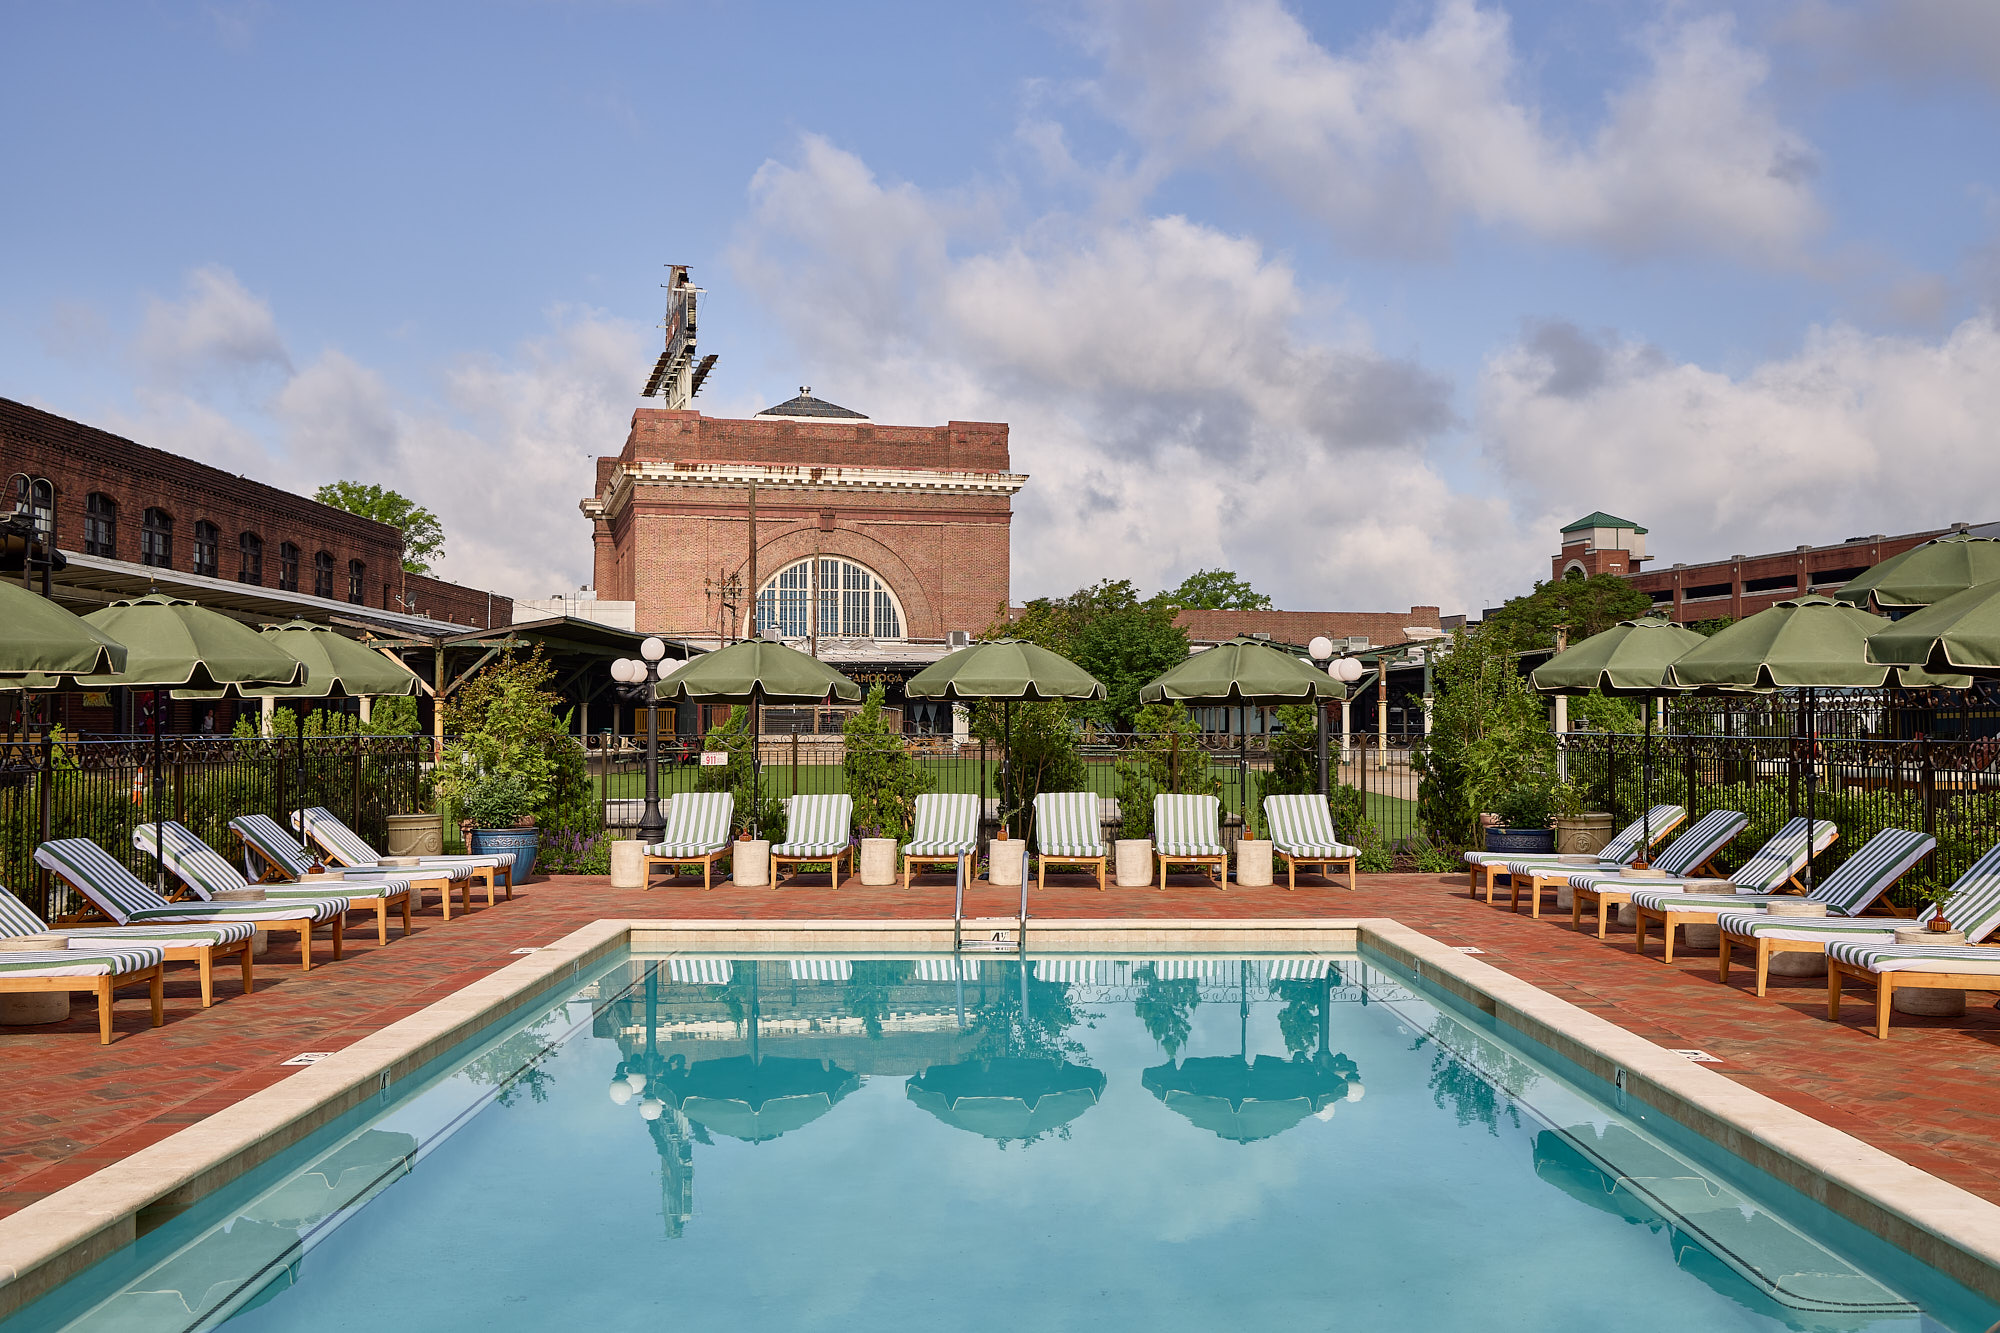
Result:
[1005,861]
[878,862]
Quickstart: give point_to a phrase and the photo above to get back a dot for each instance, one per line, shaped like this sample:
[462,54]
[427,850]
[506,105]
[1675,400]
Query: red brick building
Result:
[1737,587]
[864,532]
[122,501]
[1372,629]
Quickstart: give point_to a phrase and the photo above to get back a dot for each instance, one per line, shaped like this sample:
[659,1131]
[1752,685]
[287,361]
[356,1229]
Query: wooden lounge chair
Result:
[1691,855]
[1187,830]
[99,968]
[1764,876]
[197,866]
[947,828]
[1973,907]
[119,895]
[1485,868]
[345,847]
[1536,875]
[697,832]
[817,828]
[1067,833]
[1302,833]
[201,945]
[271,855]
[1914,966]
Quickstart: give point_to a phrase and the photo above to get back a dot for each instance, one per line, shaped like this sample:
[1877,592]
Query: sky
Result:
[1361,301]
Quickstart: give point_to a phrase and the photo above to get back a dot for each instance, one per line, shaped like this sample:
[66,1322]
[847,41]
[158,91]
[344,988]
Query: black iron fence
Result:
[103,789]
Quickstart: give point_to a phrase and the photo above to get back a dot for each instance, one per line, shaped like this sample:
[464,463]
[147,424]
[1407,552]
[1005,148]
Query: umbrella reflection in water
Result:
[1009,1099]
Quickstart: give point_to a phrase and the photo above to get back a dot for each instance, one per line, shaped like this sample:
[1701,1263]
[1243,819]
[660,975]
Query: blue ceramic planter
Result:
[1520,840]
[520,841]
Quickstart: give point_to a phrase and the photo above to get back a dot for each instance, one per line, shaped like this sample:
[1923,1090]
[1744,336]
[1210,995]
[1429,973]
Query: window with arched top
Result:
[288,566]
[323,574]
[156,539]
[207,548]
[357,579]
[831,598]
[251,547]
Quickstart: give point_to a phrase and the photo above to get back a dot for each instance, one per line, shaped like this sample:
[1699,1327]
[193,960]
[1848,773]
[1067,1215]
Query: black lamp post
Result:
[641,677]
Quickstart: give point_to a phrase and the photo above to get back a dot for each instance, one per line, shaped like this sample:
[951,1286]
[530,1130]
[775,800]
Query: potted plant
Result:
[496,818]
[1579,832]
[1524,811]
[1936,895]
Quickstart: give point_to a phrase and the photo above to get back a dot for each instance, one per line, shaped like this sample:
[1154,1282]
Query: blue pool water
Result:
[1167,1144]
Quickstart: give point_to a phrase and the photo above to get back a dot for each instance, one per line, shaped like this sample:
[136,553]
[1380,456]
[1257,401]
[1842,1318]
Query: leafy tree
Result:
[882,777]
[1711,627]
[1043,749]
[392,715]
[1218,590]
[739,776]
[1585,606]
[1170,759]
[423,535]
[1489,732]
[1109,631]
[506,719]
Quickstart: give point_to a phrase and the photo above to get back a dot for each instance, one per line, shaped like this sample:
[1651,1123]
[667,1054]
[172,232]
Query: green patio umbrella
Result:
[40,637]
[755,1099]
[1959,633]
[171,642]
[1244,673]
[1250,1099]
[1630,659]
[1804,643]
[1009,1099]
[756,672]
[1006,670]
[1924,575]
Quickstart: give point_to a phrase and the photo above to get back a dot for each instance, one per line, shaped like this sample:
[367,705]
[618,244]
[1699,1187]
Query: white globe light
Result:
[651,1108]
[1347,669]
[1325,1112]
[1321,647]
[619,671]
[621,1092]
[1355,1092]
[653,650]
[637,1082]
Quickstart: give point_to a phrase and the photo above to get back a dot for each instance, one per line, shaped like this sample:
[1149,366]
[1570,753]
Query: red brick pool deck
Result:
[1930,1094]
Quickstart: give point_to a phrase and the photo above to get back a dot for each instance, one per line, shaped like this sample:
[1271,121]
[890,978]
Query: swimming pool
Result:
[1132,1142]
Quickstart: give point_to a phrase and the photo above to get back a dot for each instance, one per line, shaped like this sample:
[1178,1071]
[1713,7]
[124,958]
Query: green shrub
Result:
[733,736]
[497,801]
[1042,750]
[881,776]
[1170,760]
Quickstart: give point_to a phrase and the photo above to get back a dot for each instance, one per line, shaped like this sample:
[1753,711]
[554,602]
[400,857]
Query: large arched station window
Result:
[836,600]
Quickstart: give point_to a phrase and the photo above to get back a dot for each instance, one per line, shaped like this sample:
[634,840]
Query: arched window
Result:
[288,566]
[37,495]
[357,574]
[207,548]
[251,547]
[100,525]
[323,574]
[156,539]
[830,598]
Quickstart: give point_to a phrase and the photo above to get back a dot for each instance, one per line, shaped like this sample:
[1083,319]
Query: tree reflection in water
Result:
[1166,1008]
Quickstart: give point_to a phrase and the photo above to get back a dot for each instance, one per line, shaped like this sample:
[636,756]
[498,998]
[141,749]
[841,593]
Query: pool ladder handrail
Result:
[1018,926]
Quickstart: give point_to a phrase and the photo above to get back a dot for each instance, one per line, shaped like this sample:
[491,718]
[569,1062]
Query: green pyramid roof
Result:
[1600,519]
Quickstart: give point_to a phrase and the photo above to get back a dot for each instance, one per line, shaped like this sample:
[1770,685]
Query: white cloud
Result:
[1179,397]
[217,327]
[1855,433]
[1398,138]
[1913,41]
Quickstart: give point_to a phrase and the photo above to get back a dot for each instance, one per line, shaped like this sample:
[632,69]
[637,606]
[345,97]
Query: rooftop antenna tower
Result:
[677,376]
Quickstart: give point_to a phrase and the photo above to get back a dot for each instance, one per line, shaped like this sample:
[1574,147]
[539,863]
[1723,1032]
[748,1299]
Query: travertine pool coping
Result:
[1953,1231]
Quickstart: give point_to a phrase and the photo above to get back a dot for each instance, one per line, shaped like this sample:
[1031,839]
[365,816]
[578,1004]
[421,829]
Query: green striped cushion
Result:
[1187,825]
[1860,880]
[16,919]
[1664,819]
[1066,824]
[347,848]
[1973,907]
[1302,828]
[1784,855]
[189,859]
[92,871]
[697,824]
[97,961]
[947,825]
[278,847]
[1710,834]
[1916,957]
[817,826]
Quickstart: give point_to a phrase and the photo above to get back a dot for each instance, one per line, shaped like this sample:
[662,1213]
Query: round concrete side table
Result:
[628,864]
[878,862]
[1133,862]
[750,863]
[1925,1002]
[1253,863]
[1006,861]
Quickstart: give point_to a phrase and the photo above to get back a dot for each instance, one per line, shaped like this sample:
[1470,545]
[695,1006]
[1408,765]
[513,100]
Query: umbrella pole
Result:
[1646,795]
[756,766]
[158,780]
[1007,764]
[1812,782]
